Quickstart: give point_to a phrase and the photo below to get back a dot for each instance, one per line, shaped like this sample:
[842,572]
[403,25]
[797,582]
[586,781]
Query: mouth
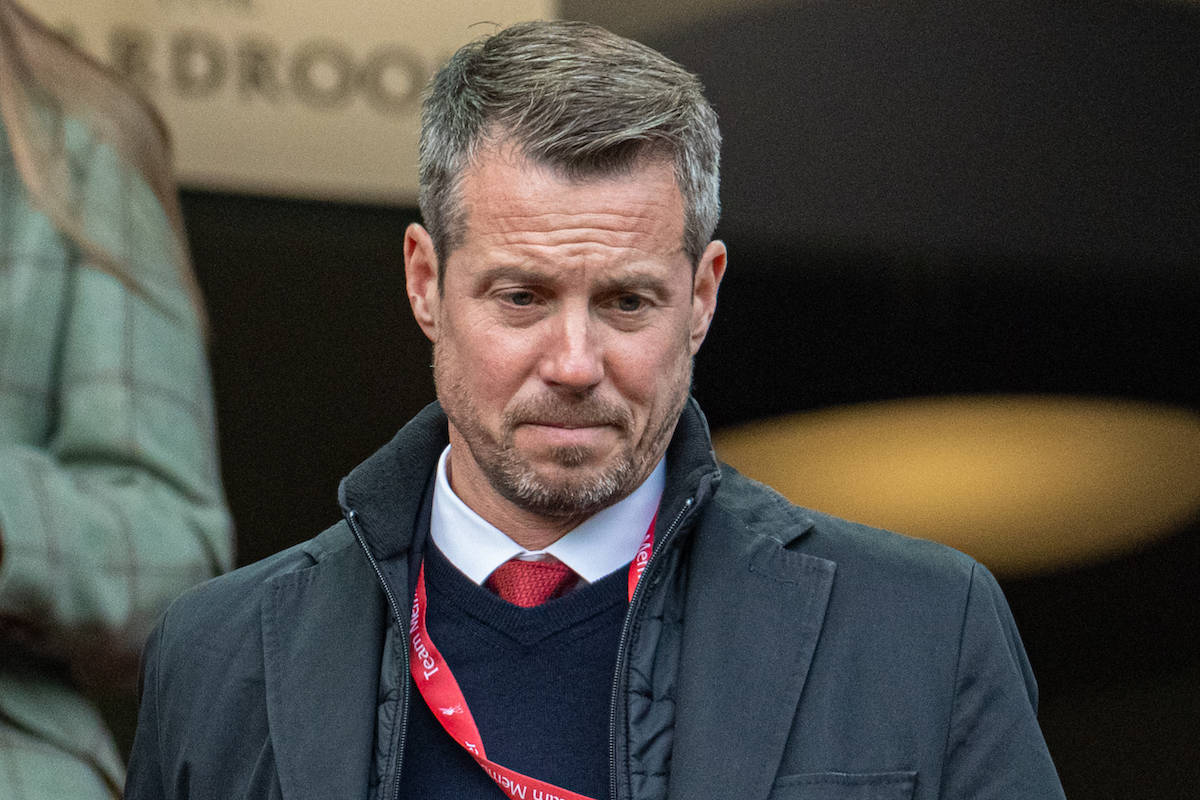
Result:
[550,422]
[570,426]
[569,434]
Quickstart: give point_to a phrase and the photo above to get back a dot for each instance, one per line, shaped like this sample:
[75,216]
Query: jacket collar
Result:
[692,469]
[386,492]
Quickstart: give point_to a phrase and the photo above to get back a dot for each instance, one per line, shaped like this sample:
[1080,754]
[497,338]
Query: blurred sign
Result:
[318,98]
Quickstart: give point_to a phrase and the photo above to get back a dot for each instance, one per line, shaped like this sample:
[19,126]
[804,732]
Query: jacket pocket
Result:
[845,786]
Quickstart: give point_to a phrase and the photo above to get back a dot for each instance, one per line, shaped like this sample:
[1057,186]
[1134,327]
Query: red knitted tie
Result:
[531,583]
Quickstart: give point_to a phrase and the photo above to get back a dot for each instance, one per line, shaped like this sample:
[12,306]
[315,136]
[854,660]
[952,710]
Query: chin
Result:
[560,491]
[557,478]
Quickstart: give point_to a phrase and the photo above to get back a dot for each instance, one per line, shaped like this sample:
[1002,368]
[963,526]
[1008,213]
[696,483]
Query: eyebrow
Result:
[512,273]
[632,280]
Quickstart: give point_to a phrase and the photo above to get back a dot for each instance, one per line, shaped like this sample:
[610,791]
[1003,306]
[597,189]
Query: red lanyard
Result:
[445,699]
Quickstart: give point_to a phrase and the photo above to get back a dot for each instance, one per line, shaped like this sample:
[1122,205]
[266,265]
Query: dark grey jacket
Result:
[769,652]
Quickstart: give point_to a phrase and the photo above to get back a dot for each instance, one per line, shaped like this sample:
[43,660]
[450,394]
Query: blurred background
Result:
[961,303]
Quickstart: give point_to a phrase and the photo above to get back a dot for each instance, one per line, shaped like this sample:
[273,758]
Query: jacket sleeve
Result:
[112,505]
[995,749]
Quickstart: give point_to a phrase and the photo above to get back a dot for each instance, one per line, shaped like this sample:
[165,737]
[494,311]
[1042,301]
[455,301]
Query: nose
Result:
[572,357]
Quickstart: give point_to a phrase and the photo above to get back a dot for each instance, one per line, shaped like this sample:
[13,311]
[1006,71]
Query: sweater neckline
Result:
[523,626]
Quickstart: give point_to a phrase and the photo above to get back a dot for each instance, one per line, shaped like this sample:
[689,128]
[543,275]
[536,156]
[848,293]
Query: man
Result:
[110,501]
[545,586]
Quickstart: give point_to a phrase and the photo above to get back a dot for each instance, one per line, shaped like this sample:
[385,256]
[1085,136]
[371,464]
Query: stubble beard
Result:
[578,492]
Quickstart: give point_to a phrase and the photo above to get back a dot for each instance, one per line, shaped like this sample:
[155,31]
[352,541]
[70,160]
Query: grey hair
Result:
[575,97]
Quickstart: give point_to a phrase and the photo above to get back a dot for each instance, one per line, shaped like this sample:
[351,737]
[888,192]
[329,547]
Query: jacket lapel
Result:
[322,640]
[754,614]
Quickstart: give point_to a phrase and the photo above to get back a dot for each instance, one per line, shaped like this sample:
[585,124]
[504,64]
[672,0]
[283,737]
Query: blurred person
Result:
[546,586]
[110,502]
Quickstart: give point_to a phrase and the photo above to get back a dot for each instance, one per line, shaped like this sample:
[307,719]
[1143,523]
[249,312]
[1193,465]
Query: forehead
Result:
[510,201]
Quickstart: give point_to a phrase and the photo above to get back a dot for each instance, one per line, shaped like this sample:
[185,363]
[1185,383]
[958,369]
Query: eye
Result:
[519,297]
[629,303]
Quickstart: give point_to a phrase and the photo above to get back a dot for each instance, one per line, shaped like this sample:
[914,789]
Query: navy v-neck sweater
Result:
[538,682]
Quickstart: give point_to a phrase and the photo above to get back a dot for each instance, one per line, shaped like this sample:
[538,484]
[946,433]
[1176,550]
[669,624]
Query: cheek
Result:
[493,365]
[648,375]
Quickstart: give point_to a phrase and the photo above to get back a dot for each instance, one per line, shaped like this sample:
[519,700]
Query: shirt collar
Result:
[601,544]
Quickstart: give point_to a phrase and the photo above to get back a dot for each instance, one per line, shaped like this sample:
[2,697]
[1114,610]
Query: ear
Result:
[707,280]
[421,278]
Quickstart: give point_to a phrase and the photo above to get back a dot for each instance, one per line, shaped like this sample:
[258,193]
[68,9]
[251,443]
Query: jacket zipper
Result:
[622,646]
[351,519]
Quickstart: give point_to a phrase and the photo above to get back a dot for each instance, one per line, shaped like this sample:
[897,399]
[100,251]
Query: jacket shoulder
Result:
[891,593]
[874,554]
[233,599]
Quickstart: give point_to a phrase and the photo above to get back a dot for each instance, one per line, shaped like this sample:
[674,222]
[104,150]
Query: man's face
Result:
[564,334]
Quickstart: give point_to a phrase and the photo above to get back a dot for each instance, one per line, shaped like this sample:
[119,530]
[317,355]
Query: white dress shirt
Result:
[600,545]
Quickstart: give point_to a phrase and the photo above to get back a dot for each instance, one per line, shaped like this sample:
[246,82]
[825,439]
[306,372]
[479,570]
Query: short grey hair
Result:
[577,98]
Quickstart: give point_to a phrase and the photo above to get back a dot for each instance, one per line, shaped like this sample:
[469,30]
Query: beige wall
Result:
[292,97]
